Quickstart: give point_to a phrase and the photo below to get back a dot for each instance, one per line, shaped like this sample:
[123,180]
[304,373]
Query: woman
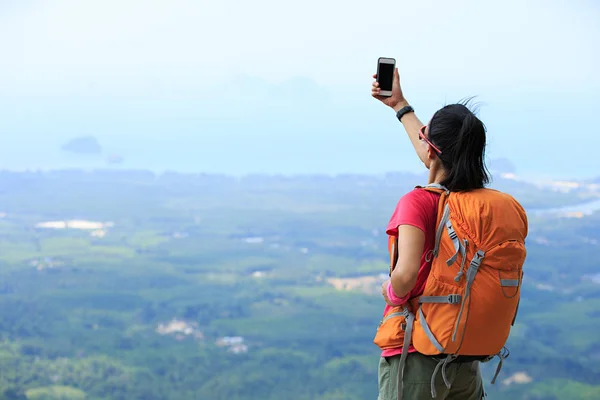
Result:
[452,147]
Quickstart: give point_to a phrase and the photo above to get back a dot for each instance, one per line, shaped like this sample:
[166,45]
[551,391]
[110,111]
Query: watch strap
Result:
[404,110]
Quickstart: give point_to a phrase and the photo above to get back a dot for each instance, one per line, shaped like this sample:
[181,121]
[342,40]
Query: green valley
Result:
[130,285]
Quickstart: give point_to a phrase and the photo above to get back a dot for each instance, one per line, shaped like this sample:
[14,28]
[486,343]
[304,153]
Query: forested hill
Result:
[131,285]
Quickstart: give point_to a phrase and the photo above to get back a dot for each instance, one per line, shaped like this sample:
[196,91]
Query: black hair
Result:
[460,136]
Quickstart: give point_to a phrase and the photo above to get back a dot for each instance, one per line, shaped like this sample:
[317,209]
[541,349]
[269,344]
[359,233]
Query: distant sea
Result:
[291,128]
[192,154]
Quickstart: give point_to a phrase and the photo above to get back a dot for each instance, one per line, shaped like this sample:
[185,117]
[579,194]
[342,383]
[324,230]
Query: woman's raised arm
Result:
[410,121]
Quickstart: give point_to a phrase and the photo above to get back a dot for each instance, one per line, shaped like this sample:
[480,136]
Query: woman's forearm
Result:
[410,121]
[412,124]
[402,285]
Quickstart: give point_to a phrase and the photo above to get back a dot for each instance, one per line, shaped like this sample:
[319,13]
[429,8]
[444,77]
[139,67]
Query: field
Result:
[130,285]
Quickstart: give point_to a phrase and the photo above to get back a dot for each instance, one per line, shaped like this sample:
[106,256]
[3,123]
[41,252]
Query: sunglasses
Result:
[422,137]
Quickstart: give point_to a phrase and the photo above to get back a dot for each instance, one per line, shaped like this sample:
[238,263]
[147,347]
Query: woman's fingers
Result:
[375,88]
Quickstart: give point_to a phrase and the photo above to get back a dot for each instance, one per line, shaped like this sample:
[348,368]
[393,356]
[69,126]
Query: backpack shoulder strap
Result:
[434,187]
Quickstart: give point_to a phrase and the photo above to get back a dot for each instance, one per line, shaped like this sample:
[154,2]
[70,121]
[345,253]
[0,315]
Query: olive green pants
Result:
[465,379]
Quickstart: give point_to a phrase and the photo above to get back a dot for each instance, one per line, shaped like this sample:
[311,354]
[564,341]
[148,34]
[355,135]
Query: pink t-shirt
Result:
[419,209]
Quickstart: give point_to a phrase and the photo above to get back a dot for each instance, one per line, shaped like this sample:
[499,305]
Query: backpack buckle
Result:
[454,299]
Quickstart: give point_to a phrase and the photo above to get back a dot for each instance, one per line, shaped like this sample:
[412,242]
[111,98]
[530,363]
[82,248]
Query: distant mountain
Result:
[83,145]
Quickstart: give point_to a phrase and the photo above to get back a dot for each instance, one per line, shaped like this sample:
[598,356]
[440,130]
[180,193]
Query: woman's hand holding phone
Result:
[396,100]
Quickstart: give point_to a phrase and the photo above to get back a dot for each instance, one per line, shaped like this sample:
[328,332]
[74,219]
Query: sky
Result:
[283,87]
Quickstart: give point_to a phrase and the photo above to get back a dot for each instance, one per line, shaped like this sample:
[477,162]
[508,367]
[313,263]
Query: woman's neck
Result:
[436,174]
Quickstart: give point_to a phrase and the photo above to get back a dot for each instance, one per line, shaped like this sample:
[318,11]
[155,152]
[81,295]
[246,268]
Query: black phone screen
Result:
[385,76]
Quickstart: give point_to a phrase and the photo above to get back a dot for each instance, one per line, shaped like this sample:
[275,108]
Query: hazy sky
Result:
[70,66]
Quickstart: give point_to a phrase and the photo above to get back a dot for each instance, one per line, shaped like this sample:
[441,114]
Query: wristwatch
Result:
[402,111]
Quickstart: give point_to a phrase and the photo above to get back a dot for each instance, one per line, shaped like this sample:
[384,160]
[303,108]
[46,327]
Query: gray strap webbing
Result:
[440,229]
[458,246]
[450,299]
[471,272]
[475,263]
[448,359]
[435,371]
[428,332]
[410,319]
[437,186]
[462,263]
[395,314]
[509,282]
[502,355]
[441,364]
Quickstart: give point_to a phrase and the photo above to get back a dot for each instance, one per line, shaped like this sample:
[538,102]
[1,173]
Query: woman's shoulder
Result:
[418,207]
[420,194]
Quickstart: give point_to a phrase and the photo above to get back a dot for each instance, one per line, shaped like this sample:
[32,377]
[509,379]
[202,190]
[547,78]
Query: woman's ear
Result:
[430,153]
[433,160]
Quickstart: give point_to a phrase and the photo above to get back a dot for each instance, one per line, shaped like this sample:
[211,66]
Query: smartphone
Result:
[385,75]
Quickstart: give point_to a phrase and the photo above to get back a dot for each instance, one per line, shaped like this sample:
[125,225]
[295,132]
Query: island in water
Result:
[83,145]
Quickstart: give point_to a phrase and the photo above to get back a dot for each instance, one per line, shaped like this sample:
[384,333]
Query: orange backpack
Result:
[472,294]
